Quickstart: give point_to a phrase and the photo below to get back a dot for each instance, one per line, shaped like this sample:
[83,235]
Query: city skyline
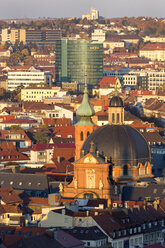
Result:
[72,8]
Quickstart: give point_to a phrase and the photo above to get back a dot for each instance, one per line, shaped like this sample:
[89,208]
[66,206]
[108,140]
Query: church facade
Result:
[111,155]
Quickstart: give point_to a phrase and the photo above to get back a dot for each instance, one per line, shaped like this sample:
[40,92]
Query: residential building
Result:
[32,184]
[38,94]
[23,123]
[91,236]
[13,35]
[59,111]
[154,39]
[111,43]
[27,78]
[130,80]
[71,58]
[156,79]
[17,137]
[4,52]
[98,35]
[153,51]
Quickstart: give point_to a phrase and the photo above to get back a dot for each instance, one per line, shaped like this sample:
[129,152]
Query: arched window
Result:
[81,136]
[88,133]
[118,116]
[121,117]
[125,170]
[113,118]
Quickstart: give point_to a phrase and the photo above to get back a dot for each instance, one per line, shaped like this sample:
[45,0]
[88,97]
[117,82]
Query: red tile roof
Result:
[9,196]
[107,82]
[42,147]
[12,155]
[64,131]
[19,121]
[154,46]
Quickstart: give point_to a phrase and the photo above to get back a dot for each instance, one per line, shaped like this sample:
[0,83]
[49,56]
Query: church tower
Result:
[116,109]
[85,126]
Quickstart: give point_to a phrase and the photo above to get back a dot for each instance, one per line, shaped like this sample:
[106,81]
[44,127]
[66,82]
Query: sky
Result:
[76,8]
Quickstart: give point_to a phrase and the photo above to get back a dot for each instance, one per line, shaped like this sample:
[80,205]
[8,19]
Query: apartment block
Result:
[146,80]
[156,79]
[153,51]
[13,35]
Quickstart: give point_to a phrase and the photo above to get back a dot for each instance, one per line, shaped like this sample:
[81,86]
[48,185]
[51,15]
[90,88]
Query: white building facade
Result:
[28,78]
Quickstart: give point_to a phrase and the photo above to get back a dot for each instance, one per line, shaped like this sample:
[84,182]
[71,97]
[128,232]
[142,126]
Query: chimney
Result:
[63,211]
[56,235]
[105,159]
[97,153]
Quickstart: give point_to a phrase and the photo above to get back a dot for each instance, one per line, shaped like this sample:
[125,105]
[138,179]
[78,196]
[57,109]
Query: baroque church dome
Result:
[121,144]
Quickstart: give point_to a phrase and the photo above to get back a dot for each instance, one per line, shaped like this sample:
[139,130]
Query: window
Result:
[88,133]
[125,170]
[81,136]
[113,118]
[118,118]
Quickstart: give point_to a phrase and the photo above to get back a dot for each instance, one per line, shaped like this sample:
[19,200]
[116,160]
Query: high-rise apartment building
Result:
[71,58]
[13,35]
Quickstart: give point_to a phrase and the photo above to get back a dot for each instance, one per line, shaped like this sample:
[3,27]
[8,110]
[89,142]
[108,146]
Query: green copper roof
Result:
[85,110]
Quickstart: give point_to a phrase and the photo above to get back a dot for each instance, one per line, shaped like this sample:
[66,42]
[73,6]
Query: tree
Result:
[16,127]
[41,137]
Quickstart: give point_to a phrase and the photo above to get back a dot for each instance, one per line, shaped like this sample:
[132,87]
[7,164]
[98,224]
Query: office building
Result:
[28,78]
[43,37]
[71,58]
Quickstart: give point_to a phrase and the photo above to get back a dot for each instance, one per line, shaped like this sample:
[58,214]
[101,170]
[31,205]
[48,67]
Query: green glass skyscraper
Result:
[71,58]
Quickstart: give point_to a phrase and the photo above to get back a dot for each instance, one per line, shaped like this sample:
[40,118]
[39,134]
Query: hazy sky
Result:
[68,8]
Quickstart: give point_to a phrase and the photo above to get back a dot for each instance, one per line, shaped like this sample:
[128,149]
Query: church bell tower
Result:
[85,126]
